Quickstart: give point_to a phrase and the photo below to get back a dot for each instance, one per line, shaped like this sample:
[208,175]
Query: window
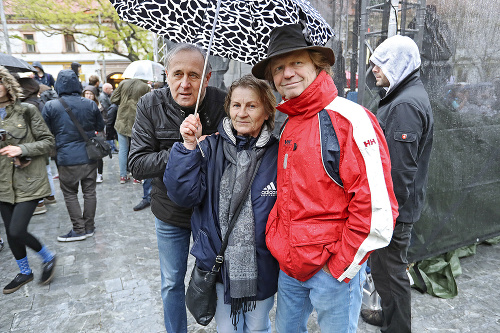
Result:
[69,42]
[30,43]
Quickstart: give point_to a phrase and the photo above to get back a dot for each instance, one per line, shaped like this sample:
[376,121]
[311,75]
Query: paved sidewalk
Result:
[111,282]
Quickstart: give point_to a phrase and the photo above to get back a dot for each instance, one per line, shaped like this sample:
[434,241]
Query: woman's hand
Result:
[190,130]
[11,151]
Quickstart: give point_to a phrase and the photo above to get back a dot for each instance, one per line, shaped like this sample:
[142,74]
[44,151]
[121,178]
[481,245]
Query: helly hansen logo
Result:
[370,142]
[288,142]
[269,190]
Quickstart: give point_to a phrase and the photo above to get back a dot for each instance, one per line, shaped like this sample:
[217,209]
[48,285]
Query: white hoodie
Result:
[397,57]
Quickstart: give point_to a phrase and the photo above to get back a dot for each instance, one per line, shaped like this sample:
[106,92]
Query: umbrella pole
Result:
[205,66]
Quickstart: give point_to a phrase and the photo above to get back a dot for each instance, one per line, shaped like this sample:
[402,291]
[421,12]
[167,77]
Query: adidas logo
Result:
[269,191]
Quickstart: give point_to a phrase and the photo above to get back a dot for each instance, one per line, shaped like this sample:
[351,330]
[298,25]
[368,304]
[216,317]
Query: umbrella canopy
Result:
[14,64]
[243,28]
[144,69]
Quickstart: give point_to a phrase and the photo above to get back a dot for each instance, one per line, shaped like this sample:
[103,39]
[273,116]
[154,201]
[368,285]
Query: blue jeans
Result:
[337,303]
[146,189]
[173,247]
[112,144]
[123,154]
[255,321]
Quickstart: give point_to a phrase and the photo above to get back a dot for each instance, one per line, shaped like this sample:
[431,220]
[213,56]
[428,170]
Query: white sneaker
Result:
[99,178]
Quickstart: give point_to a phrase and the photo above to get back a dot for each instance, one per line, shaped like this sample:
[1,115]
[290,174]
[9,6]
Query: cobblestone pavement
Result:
[111,282]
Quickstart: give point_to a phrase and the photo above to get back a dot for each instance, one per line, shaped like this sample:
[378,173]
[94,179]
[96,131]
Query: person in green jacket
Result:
[126,97]
[25,140]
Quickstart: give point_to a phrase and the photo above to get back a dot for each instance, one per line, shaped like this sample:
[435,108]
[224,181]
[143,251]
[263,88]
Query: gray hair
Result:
[187,47]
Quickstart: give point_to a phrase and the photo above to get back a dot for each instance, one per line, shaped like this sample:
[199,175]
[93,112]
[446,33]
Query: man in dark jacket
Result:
[41,77]
[156,128]
[405,115]
[104,99]
[73,164]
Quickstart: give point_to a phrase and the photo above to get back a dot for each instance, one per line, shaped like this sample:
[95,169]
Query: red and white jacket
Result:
[317,220]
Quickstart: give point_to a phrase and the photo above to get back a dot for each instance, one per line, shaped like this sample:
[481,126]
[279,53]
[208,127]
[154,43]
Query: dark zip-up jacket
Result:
[70,145]
[155,130]
[194,181]
[405,116]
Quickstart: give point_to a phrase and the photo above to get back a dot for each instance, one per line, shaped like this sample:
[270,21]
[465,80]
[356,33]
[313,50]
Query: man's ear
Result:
[209,75]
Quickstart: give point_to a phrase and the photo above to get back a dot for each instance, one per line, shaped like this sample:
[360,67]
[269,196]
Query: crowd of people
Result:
[302,212]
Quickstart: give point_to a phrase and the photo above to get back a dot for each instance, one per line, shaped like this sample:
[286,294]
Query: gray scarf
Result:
[240,256]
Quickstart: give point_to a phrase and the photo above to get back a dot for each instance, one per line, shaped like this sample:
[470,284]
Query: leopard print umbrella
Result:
[242,30]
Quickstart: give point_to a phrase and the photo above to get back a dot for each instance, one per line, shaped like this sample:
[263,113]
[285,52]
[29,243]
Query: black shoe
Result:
[19,281]
[143,204]
[48,270]
[372,317]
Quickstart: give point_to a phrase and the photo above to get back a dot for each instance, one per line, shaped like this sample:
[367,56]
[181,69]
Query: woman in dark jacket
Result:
[25,140]
[243,155]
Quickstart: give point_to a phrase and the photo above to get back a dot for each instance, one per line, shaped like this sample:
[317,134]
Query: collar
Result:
[414,75]
[313,99]
[237,140]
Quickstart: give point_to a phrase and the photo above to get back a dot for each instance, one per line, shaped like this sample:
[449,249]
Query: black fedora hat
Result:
[287,39]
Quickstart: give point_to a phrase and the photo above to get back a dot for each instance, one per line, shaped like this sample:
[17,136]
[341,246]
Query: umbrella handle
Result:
[201,150]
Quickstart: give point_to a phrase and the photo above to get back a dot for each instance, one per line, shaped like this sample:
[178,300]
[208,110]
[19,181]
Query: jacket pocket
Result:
[202,250]
[168,134]
[315,233]
[403,136]
[28,184]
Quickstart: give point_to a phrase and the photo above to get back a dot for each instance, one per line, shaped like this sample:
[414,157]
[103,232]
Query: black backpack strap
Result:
[73,118]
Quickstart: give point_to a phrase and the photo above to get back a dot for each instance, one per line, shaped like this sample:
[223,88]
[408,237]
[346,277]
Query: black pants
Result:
[388,267]
[100,166]
[16,218]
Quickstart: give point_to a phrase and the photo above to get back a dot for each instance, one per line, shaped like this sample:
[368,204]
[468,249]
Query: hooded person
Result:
[405,115]
[73,163]
[42,77]
[24,142]
[31,88]
[94,93]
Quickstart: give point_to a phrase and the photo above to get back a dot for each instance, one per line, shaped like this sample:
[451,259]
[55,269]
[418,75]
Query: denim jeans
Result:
[255,321]
[146,189]
[51,180]
[337,303]
[173,247]
[123,142]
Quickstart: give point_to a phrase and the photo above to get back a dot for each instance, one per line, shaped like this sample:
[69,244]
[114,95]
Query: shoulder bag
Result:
[96,146]
[201,295]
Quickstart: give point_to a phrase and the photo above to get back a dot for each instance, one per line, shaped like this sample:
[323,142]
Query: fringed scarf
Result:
[240,256]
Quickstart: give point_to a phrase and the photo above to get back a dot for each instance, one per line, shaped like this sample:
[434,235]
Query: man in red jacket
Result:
[335,201]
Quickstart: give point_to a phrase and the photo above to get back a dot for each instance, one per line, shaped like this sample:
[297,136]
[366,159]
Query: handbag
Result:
[201,296]
[96,146]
